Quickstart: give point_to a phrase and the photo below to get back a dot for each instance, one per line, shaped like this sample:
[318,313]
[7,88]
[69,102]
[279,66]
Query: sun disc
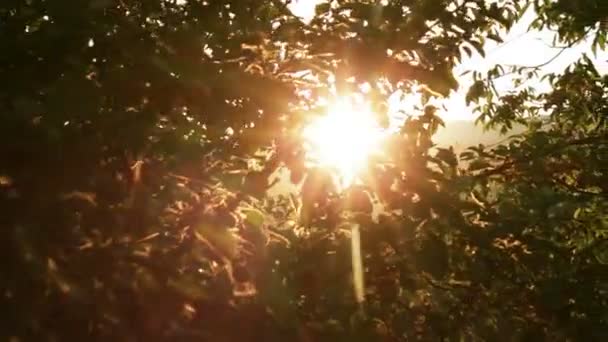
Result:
[343,139]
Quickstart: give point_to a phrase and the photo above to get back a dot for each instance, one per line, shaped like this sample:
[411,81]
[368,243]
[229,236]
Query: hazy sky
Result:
[520,48]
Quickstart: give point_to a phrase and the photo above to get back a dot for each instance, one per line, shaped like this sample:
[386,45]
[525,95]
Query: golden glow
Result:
[343,139]
[304,9]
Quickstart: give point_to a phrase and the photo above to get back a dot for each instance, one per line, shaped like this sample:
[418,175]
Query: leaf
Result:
[495,37]
[475,92]
[599,41]
[478,164]
[322,8]
[464,73]
[467,155]
[479,47]
[447,155]
[254,217]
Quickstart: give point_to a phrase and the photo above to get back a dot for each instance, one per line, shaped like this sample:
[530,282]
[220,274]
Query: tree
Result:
[140,138]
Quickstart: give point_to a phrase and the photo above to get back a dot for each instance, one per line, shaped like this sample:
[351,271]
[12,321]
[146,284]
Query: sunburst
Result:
[343,139]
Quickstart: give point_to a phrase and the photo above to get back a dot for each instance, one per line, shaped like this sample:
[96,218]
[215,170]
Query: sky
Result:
[520,47]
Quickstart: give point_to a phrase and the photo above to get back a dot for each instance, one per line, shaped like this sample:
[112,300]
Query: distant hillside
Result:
[462,134]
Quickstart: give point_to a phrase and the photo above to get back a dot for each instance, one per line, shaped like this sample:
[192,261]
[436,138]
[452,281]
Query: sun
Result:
[343,139]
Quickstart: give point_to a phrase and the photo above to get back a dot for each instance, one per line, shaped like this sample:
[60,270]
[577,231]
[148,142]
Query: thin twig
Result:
[563,49]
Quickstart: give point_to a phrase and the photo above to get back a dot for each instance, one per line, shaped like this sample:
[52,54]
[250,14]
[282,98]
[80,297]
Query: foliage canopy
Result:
[139,139]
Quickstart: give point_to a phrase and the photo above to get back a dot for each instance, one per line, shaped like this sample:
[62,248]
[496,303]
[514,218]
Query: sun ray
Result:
[343,140]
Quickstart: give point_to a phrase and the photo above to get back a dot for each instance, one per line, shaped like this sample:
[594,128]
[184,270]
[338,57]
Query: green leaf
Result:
[254,217]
